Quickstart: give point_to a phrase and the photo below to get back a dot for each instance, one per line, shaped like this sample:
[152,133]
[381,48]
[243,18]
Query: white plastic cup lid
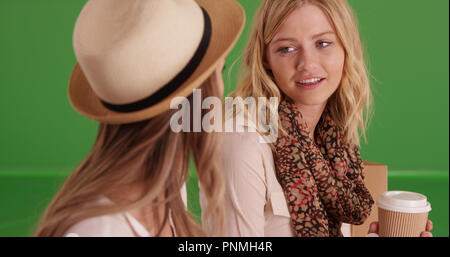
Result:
[403,201]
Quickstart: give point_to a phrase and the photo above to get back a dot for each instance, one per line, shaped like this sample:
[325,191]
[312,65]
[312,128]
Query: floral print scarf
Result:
[323,181]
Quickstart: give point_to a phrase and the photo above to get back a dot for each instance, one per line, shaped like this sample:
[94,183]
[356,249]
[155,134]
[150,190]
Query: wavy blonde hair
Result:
[350,106]
[162,157]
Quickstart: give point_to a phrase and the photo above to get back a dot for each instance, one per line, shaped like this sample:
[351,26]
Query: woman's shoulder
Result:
[245,138]
[245,154]
[111,225]
[101,226]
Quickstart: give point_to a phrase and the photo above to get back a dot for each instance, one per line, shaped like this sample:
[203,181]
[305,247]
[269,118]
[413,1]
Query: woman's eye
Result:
[285,50]
[323,44]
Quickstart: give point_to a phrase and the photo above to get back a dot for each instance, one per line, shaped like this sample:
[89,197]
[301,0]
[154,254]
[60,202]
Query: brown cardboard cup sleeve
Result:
[402,214]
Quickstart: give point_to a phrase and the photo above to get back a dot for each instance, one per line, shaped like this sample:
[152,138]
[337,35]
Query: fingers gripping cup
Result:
[402,214]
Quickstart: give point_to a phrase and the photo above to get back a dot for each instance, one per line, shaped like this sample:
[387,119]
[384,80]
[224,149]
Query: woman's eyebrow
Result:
[323,33]
[285,39]
[295,40]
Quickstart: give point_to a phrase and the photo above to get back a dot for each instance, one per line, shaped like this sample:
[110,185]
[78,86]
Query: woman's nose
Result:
[307,59]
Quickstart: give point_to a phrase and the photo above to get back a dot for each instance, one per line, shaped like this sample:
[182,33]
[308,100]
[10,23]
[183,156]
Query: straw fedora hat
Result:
[135,56]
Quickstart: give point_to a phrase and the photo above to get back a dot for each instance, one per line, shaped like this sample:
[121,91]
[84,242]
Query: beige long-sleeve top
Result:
[254,203]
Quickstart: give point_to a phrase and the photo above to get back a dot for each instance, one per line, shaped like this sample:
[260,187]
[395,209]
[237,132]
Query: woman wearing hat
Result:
[310,180]
[133,58]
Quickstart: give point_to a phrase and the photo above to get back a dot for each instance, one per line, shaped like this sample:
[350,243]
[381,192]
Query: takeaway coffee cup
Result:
[402,214]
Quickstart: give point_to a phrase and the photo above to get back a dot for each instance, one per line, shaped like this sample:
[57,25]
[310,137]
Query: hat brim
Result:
[227,20]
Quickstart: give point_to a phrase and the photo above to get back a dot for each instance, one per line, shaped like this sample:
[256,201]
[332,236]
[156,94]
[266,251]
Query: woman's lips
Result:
[310,85]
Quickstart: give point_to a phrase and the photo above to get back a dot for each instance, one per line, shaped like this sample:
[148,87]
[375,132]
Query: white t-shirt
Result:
[114,225]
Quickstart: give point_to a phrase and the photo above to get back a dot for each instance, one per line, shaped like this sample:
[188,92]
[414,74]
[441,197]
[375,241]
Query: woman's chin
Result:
[310,101]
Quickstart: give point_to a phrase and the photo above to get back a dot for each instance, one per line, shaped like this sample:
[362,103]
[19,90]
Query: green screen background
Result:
[42,139]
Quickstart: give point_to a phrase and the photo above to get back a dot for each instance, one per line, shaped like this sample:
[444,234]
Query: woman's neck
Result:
[311,114]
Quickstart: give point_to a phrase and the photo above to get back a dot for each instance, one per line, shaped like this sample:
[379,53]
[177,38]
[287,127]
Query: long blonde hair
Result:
[350,105]
[162,157]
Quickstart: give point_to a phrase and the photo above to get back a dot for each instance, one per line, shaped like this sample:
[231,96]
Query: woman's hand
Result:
[374,229]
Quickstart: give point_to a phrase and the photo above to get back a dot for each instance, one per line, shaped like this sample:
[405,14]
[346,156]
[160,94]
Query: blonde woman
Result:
[133,58]
[309,181]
